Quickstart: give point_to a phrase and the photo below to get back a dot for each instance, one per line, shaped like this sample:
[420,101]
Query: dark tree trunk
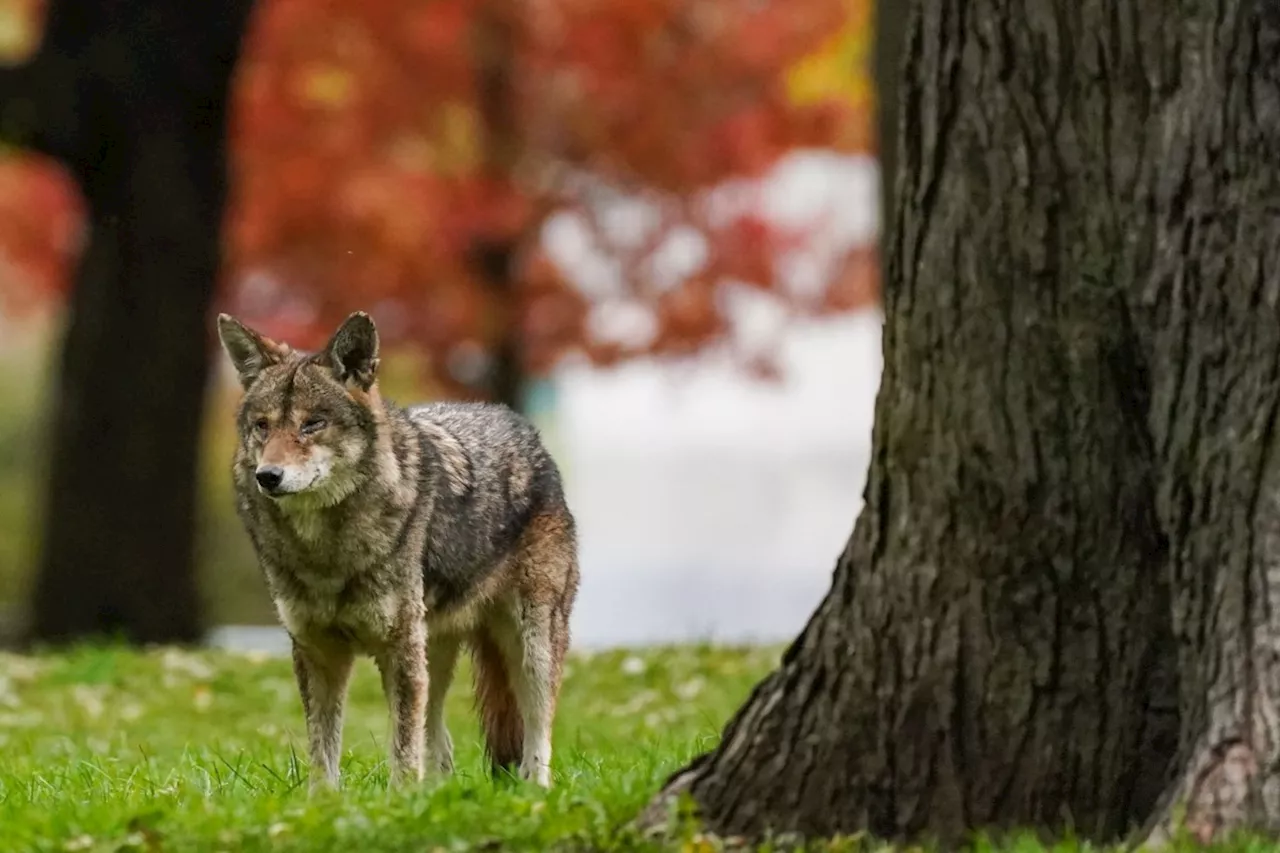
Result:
[506,381]
[132,98]
[495,52]
[1059,604]
[890,27]
[1213,302]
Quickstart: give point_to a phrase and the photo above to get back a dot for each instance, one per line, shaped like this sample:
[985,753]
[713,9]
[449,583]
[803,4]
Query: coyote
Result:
[403,534]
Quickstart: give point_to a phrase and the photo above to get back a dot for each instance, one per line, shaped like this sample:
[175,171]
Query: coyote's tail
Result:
[496,703]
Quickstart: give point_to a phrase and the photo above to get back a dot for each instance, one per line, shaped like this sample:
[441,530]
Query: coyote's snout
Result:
[404,534]
[291,459]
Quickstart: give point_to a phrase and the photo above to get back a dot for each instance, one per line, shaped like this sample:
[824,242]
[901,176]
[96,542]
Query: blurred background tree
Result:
[131,100]
[404,157]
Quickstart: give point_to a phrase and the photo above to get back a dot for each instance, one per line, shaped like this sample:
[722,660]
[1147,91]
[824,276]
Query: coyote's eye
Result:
[314,424]
[260,426]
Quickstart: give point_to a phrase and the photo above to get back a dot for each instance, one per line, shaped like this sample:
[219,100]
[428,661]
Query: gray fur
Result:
[395,530]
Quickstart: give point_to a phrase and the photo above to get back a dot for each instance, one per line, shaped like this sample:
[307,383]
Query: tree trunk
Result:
[506,380]
[890,26]
[495,51]
[1058,606]
[139,119]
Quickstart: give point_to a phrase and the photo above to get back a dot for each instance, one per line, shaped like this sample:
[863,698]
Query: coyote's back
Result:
[491,477]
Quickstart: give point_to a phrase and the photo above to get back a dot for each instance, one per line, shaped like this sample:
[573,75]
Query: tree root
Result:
[1220,794]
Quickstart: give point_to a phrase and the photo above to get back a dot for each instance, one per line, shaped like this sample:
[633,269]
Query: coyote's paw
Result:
[539,774]
[439,765]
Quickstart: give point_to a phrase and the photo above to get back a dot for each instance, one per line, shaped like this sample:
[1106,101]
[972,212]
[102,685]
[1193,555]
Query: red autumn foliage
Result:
[40,223]
[380,147]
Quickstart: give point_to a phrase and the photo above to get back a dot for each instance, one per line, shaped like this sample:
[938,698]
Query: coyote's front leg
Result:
[442,659]
[403,664]
[323,671]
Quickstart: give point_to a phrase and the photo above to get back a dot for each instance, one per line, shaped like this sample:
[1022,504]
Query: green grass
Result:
[166,750]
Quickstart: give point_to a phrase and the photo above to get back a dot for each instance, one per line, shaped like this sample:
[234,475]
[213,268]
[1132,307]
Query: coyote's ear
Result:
[250,352]
[352,352]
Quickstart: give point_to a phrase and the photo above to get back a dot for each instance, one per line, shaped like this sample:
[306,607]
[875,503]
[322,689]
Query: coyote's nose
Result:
[269,477]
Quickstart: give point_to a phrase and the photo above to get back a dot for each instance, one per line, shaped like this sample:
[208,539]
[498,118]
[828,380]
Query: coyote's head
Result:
[306,421]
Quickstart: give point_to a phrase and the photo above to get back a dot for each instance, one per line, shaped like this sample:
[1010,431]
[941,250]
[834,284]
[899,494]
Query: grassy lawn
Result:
[113,750]
[166,750]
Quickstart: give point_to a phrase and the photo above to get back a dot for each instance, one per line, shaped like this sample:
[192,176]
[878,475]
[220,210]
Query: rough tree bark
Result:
[1059,604]
[132,99]
[889,25]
